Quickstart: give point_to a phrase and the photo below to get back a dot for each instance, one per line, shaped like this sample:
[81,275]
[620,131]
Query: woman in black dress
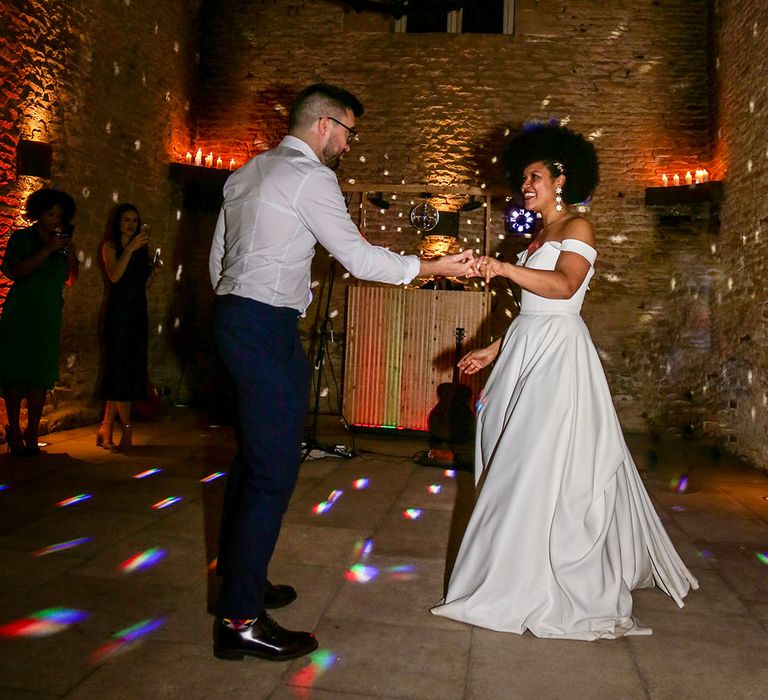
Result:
[127,264]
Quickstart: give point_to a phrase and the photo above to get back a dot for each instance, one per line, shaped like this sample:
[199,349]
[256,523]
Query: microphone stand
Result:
[311,449]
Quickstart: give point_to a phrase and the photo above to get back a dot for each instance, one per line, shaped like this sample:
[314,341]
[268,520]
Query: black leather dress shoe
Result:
[278,596]
[263,638]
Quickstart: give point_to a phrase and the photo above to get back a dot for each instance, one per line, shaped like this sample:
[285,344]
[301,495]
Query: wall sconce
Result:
[34,158]
[472,204]
[377,199]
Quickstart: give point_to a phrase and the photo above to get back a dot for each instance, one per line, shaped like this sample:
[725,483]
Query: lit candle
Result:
[232,164]
[209,161]
[199,157]
[188,158]
[219,163]
[664,180]
[688,178]
[676,180]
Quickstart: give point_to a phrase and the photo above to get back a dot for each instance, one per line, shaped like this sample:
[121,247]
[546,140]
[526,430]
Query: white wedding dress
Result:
[563,528]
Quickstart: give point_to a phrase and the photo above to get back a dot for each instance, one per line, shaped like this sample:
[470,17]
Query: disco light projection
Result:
[143,560]
[404,572]
[74,499]
[705,554]
[680,484]
[762,556]
[412,513]
[43,623]
[166,502]
[319,662]
[325,506]
[434,488]
[3,487]
[212,477]
[121,640]
[679,509]
[361,573]
[362,549]
[146,473]
[361,483]
[61,546]
[450,473]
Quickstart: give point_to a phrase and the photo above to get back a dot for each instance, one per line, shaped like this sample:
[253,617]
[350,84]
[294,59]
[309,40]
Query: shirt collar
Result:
[298,145]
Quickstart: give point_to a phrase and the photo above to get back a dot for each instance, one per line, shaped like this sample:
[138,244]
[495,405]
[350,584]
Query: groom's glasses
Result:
[351,133]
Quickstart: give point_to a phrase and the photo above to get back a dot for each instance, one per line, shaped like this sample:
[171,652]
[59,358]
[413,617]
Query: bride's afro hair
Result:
[552,144]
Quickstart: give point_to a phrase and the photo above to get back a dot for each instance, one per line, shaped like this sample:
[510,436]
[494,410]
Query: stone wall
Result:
[631,73]
[108,84]
[677,306]
[738,385]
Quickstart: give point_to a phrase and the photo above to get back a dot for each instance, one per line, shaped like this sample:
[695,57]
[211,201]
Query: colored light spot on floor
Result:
[762,556]
[404,572]
[362,549]
[326,505]
[146,473]
[212,477]
[361,483]
[412,513]
[450,473]
[3,487]
[43,623]
[434,488]
[74,499]
[319,662]
[166,502]
[143,560]
[679,509]
[361,573]
[122,640]
[679,484]
[61,546]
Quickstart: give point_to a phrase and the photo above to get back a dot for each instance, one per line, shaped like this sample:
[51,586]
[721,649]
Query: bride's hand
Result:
[475,360]
[486,267]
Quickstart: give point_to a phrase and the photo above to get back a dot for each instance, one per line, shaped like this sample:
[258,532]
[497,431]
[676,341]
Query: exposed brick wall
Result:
[739,381]
[108,84]
[634,72]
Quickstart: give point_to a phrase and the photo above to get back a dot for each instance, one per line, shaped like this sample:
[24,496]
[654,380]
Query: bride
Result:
[562,528]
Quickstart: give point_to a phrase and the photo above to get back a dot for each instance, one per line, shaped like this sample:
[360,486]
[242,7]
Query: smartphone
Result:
[66,231]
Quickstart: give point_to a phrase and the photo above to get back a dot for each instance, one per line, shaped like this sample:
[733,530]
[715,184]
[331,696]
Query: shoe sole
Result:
[239,655]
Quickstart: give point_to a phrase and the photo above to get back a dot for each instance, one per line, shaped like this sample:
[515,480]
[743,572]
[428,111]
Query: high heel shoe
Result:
[30,441]
[16,447]
[104,437]
[126,439]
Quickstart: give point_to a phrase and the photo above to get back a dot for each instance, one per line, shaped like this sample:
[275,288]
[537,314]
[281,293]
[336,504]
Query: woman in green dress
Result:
[39,260]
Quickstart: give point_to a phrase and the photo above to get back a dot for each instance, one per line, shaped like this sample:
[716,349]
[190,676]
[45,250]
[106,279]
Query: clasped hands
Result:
[466,264]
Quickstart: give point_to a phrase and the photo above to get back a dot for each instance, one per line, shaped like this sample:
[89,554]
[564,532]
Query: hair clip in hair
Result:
[559,166]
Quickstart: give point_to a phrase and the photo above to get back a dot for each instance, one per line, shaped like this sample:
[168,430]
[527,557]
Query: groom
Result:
[276,208]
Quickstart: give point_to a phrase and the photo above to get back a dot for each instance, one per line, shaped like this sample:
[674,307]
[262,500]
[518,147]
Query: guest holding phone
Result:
[40,260]
[129,269]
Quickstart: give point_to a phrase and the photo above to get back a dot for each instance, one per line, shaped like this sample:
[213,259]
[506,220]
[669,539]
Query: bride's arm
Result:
[562,282]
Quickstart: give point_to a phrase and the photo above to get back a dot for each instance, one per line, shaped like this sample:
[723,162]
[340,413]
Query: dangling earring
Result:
[558,198]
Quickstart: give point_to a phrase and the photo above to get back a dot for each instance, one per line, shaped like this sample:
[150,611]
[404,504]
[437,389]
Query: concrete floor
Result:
[145,633]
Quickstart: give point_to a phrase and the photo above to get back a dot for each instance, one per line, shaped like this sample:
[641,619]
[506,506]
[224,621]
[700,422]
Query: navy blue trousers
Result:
[260,347]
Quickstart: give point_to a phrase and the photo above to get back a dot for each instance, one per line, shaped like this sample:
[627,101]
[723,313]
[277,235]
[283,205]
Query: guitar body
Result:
[452,421]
